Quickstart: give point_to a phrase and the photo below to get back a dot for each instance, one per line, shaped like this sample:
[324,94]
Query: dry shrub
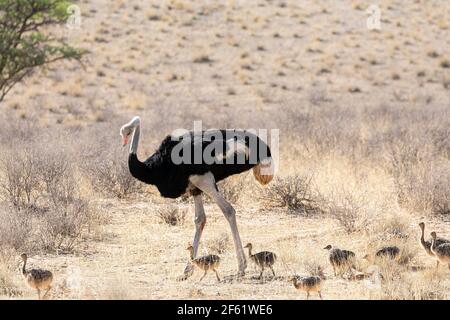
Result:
[56,174]
[295,193]
[309,261]
[61,227]
[68,214]
[421,178]
[407,253]
[41,188]
[15,229]
[413,140]
[218,244]
[106,167]
[171,215]
[348,208]
[20,179]
[440,202]
[426,285]
[313,267]
[394,226]
[14,237]
[7,285]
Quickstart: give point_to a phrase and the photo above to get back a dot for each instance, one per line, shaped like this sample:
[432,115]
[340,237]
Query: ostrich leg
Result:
[200,221]
[207,184]
[46,292]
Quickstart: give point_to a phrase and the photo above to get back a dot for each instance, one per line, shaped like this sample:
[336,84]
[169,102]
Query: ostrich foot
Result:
[183,277]
[188,271]
[240,274]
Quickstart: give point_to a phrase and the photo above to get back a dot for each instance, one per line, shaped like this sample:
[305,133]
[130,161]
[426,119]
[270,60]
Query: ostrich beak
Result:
[125,141]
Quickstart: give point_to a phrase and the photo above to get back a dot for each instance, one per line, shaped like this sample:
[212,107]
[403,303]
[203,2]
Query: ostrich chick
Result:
[37,278]
[340,259]
[262,259]
[442,252]
[308,284]
[427,244]
[205,263]
[387,252]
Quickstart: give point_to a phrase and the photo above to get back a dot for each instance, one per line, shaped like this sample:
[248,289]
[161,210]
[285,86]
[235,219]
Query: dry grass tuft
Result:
[203,58]
[43,207]
[348,210]
[171,215]
[8,286]
[108,172]
[219,244]
[295,193]
[313,267]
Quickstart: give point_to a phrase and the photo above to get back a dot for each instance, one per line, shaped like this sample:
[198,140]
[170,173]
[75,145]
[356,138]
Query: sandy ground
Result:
[233,58]
[137,257]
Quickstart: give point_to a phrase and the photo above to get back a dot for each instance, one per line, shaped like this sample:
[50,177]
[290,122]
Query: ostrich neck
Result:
[191,253]
[433,244]
[422,238]
[135,140]
[142,171]
[24,271]
[249,251]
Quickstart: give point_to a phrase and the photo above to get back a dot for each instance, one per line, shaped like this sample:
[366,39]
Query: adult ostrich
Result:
[222,153]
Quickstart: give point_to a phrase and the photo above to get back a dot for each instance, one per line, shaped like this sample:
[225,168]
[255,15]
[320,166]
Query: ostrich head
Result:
[433,235]
[248,245]
[128,129]
[328,247]
[422,225]
[23,256]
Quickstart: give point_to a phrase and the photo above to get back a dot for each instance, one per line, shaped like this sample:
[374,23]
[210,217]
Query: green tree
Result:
[25,42]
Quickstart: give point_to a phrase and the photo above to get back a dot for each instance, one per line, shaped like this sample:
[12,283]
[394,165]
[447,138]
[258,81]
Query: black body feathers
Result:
[172,178]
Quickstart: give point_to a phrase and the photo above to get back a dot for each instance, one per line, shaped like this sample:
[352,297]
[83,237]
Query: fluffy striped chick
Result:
[442,252]
[308,284]
[387,252]
[427,244]
[341,259]
[37,278]
[262,259]
[205,263]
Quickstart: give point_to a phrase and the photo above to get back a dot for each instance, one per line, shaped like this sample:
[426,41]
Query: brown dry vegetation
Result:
[364,120]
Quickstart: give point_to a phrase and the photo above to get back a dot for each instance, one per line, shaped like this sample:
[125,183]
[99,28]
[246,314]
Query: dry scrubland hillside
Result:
[364,120]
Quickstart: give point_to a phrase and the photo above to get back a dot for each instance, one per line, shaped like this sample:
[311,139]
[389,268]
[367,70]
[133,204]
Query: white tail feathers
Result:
[263,171]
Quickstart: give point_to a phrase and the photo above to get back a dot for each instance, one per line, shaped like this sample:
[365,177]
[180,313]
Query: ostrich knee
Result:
[230,213]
